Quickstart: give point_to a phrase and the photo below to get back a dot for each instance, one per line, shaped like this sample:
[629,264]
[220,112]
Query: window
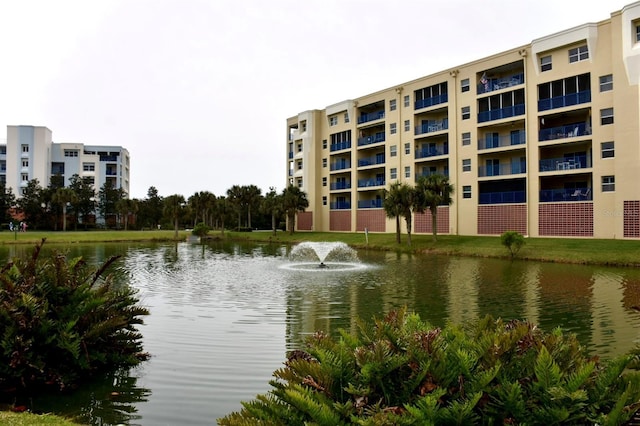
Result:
[393,150]
[25,163]
[393,173]
[466,113]
[324,181]
[608,183]
[324,144]
[333,121]
[466,191]
[393,128]
[88,167]
[303,125]
[606,116]
[25,148]
[606,83]
[299,147]
[466,165]
[545,63]
[407,125]
[608,149]
[407,101]
[466,138]
[24,177]
[578,54]
[346,117]
[70,153]
[324,162]
[407,148]
[324,200]
[407,171]
[637,32]
[464,85]
[91,180]
[392,105]
[299,165]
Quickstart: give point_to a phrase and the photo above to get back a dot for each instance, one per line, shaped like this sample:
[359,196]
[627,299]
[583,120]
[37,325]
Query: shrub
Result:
[401,371]
[61,321]
[200,230]
[513,241]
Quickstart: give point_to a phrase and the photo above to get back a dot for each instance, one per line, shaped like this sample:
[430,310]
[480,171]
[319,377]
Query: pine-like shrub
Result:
[62,321]
[401,371]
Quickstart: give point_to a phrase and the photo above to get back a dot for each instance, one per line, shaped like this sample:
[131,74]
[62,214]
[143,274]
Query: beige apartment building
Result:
[543,139]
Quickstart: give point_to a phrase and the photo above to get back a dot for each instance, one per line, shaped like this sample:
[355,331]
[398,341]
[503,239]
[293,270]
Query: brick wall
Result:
[422,221]
[632,219]
[340,220]
[566,219]
[305,221]
[372,219]
[498,218]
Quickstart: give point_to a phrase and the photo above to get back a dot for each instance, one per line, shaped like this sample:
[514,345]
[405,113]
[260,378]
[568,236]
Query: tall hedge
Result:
[62,320]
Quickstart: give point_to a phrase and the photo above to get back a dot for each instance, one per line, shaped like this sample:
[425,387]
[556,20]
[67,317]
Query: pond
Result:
[223,316]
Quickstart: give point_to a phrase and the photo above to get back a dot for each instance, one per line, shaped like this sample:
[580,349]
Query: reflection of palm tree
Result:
[64,196]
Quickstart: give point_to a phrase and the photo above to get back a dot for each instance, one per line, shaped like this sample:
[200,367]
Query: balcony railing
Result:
[368,140]
[491,141]
[500,83]
[561,132]
[340,185]
[370,204]
[564,101]
[434,100]
[340,165]
[497,114]
[431,126]
[427,174]
[563,163]
[432,152]
[371,161]
[565,195]
[338,146]
[290,155]
[363,183]
[340,205]
[372,116]
[502,169]
[503,197]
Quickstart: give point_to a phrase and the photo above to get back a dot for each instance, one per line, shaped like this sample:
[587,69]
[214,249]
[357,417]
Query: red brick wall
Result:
[373,220]
[498,218]
[340,220]
[632,219]
[422,221]
[305,221]
[566,219]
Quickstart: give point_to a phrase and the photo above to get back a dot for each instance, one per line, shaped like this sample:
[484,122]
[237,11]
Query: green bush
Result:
[62,321]
[401,371]
[200,230]
[513,241]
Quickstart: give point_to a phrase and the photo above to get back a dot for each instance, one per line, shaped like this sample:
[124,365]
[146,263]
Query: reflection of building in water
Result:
[463,289]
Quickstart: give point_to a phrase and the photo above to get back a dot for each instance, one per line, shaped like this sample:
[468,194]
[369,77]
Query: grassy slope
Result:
[8,418]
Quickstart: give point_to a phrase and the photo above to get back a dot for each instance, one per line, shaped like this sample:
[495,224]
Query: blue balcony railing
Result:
[492,84]
[565,163]
[372,116]
[340,146]
[340,205]
[431,126]
[503,197]
[364,183]
[370,204]
[432,152]
[565,195]
[427,174]
[561,132]
[340,165]
[497,141]
[502,169]
[371,161]
[498,114]
[434,100]
[368,140]
[564,101]
[340,185]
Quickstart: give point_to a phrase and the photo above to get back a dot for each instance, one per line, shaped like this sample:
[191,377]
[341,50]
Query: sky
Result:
[198,91]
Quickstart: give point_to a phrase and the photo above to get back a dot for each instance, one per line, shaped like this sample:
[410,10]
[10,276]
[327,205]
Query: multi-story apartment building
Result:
[543,139]
[30,153]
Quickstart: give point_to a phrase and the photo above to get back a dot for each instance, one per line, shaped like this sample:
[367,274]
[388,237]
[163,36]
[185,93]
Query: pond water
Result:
[224,315]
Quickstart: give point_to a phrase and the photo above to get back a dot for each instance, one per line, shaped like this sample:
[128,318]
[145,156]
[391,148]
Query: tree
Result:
[84,207]
[174,207]
[399,201]
[150,209]
[252,196]
[221,209]
[126,207]
[272,204]
[293,201]
[31,203]
[108,196]
[201,204]
[434,190]
[62,197]
[235,199]
[7,202]
[513,241]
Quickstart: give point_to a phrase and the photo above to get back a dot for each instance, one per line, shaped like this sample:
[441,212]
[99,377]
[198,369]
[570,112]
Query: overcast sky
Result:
[199,91]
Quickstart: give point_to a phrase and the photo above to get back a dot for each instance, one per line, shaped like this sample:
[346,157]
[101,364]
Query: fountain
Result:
[325,256]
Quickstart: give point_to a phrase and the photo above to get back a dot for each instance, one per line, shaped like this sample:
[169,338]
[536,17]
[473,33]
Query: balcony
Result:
[340,146]
[502,169]
[340,165]
[503,197]
[372,116]
[430,173]
[492,84]
[564,101]
[368,140]
[371,161]
[340,205]
[564,163]
[498,114]
[565,195]
[434,100]
[494,140]
[290,155]
[433,151]
[337,186]
[365,183]
[370,204]
[562,132]
[430,126]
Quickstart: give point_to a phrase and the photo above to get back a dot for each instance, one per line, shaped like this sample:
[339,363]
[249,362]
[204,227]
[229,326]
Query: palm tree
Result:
[272,204]
[252,197]
[173,207]
[125,207]
[435,190]
[400,200]
[220,211]
[234,197]
[293,200]
[64,196]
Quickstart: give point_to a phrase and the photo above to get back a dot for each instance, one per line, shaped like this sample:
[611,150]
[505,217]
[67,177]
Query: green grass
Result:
[32,237]
[9,418]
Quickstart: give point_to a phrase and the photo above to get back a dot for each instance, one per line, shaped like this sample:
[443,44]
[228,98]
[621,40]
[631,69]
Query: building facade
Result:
[543,139]
[30,153]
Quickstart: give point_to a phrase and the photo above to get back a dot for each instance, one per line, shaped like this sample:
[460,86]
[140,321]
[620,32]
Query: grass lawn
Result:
[9,418]
[32,237]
